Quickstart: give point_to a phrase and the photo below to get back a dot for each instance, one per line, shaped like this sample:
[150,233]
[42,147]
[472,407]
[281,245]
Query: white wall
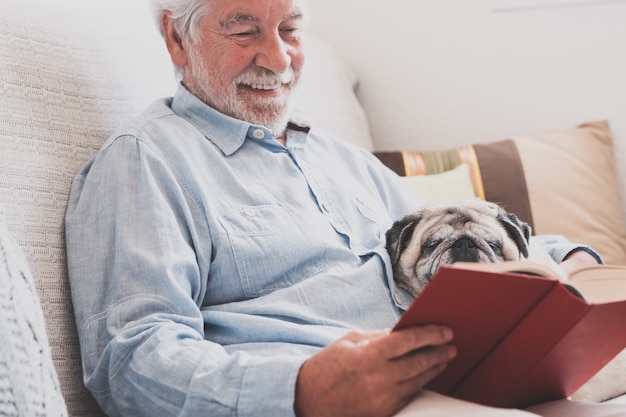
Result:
[437,73]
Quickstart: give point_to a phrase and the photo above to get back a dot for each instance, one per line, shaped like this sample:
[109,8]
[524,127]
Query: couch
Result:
[71,73]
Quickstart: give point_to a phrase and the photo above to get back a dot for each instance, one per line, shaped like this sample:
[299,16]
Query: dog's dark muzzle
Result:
[464,250]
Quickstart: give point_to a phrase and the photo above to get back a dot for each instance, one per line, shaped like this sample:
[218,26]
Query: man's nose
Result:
[274,54]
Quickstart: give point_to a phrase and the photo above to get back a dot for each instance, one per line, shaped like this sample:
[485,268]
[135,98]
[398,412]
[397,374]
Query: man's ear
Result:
[176,46]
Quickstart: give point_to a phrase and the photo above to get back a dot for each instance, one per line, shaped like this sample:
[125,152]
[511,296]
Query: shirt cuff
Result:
[268,387]
[559,248]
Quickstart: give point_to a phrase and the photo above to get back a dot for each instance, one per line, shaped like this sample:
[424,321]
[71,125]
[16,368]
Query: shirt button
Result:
[396,296]
[258,134]
[249,212]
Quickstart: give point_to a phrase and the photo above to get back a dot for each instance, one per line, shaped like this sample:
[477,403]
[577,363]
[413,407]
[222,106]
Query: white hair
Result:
[186,15]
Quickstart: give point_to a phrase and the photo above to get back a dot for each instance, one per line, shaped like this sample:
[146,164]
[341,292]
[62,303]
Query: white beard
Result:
[272,113]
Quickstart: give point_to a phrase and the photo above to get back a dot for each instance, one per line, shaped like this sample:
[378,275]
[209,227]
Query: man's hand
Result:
[371,374]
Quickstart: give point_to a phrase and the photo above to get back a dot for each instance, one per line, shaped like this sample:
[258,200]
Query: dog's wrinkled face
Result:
[454,231]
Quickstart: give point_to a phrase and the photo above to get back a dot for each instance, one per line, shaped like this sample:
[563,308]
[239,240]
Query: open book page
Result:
[597,283]
[600,283]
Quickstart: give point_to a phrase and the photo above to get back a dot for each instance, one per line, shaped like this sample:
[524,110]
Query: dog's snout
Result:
[464,243]
[464,250]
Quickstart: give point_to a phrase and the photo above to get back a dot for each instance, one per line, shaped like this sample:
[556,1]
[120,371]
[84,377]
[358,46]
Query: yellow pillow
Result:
[452,184]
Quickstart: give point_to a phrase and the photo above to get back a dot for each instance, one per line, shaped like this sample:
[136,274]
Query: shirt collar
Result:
[228,133]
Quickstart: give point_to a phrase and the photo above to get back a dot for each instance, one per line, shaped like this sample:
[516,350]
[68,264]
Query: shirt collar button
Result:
[258,134]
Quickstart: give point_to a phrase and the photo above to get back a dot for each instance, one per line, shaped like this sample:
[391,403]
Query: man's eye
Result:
[242,31]
[242,34]
[290,32]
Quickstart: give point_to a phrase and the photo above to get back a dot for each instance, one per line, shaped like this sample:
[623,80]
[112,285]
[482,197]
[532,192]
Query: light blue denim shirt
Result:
[207,261]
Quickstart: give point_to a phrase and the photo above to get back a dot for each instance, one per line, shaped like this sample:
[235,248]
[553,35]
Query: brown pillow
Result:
[560,182]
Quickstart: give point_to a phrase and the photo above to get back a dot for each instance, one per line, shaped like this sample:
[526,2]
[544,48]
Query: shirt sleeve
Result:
[135,257]
[558,247]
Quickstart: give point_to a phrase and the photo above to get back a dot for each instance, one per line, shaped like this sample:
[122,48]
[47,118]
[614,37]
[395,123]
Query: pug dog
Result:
[458,231]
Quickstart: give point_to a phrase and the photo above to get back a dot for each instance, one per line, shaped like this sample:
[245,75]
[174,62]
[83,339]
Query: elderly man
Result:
[226,260]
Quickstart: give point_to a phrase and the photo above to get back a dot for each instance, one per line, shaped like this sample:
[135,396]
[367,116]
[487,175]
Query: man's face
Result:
[248,59]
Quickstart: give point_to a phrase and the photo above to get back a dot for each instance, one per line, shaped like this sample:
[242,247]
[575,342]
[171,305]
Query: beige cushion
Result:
[573,189]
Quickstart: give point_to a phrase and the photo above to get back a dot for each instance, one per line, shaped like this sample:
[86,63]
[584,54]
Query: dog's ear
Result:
[516,229]
[399,236]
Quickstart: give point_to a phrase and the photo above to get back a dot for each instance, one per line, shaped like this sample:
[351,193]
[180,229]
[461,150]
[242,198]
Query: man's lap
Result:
[430,404]
[580,409]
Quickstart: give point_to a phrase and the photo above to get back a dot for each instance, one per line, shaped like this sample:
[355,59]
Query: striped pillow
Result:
[495,170]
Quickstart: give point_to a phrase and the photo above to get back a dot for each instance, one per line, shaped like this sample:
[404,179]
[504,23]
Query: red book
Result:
[522,338]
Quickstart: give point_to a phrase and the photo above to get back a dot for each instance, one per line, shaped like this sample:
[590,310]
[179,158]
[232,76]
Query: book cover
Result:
[522,338]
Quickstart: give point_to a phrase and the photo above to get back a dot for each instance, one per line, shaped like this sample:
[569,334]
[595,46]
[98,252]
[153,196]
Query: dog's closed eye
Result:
[429,246]
[496,246]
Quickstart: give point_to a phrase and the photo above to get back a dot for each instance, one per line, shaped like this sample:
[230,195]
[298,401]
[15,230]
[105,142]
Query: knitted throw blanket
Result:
[28,381]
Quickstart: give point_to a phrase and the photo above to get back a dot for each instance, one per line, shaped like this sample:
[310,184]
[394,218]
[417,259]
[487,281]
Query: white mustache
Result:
[265,80]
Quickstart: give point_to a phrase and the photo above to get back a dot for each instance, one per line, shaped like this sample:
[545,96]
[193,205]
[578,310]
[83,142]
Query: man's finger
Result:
[403,342]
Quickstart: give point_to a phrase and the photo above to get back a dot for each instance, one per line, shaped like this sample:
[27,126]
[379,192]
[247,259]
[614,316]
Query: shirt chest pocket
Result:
[272,248]
[367,225]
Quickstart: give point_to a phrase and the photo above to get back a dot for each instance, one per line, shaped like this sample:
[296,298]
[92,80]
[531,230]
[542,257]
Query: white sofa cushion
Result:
[28,380]
[326,95]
